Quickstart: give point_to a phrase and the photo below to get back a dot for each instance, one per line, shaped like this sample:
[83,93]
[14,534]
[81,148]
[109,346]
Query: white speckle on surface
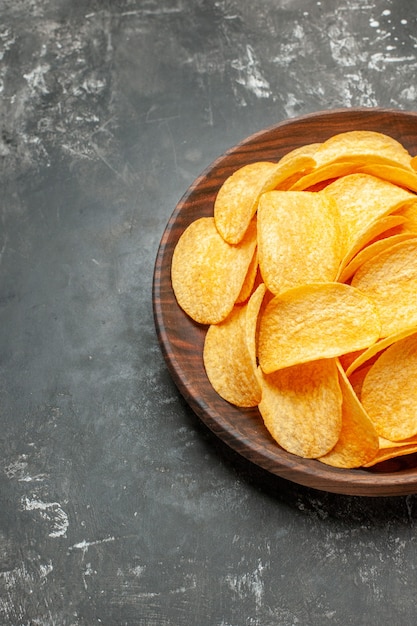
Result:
[248,583]
[18,470]
[293,105]
[404,22]
[36,79]
[409,93]
[373,23]
[51,512]
[249,74]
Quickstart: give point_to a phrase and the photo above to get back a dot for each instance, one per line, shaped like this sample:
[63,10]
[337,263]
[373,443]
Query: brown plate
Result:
[181,339]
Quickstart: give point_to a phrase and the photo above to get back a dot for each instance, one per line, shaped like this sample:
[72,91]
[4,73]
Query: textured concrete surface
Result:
[117,507]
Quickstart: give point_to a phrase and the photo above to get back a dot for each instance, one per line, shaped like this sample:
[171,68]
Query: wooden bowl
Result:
[181,339]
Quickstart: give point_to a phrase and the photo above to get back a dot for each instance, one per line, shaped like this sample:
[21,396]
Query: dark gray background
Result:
[117,507]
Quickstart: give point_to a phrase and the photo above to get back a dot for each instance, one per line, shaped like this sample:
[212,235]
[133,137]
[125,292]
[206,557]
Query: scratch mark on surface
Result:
[52,512]
[85,545]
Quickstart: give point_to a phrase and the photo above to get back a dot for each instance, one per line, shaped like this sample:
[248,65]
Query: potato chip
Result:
[252,323]
[363,146]
[377,229]
[387,443]
[229,354]
[389,391]
[332,171]
[357,377]
[363,151]
[370,251]
[250,279]
[385,454]
[237,200]
[301,407]
[391,173]
[366,355]
[208,273]
[362,199]
[358,441]
[308,150]
[390,280]
[315,321]
[298,239]
[410,214]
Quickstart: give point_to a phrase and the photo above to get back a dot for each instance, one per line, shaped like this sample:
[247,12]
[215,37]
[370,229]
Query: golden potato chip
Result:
[366,355]
[250,279]
[357,377]
[252,322]
[362,199]
[298,239]
[358,441]
[229,354]
[397,175]
[332,171]
[362,146]
[390,280]
[208,273]
[377,229]
[387,443]
[308,150]
[301,407]
[410,214]
[370,251]
[237,200]
[315,321]
[389,391]
[385,454]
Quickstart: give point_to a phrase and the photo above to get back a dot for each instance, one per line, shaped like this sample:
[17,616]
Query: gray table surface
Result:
[117,506]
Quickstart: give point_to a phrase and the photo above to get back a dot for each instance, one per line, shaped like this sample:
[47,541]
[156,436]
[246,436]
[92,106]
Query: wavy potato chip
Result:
[298,239]
[362,199]
[381,226]
[229,354]
[369,252]
[365,356]
[386,454]
[250,280]
[358,441]
[389,391]
[363,146]
[320,174]
[208,273]
[390,280]
[410,214]
[394,174]
[315,321]
[393,449]
[365,152]
[237,199]
[301,407]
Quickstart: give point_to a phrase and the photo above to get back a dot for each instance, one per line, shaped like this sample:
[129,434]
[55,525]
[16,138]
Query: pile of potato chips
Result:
[306,276]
